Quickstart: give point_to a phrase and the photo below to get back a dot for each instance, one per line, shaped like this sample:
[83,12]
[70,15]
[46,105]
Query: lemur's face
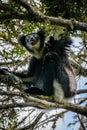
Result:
[32,41]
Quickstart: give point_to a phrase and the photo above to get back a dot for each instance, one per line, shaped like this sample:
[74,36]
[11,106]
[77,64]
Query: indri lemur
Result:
[49,72]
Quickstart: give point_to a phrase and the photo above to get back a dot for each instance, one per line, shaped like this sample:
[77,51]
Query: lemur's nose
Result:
[32,38]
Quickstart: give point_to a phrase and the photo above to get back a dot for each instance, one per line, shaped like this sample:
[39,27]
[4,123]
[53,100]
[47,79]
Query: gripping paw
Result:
[11,76]
[3,71]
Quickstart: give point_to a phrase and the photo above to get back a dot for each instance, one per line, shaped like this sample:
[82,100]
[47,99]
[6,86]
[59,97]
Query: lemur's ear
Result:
[51,40]
[41,34]
[21,39]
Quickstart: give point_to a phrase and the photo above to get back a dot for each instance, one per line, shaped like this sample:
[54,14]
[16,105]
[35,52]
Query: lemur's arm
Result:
[25,76]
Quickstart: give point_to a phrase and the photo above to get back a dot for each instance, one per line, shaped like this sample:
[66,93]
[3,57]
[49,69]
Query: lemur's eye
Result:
[36,36]
[32,38]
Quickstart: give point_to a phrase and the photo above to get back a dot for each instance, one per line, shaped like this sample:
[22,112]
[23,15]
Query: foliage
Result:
[66,8]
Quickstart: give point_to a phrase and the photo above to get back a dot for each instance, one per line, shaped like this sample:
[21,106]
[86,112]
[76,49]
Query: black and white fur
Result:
[49,72]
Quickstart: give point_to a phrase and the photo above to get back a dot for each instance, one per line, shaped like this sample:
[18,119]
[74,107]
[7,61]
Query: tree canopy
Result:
[68,9]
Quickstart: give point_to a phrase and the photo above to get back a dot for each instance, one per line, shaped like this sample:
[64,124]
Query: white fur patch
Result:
[58,91]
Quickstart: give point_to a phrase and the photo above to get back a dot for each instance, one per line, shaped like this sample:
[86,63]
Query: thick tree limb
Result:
[41,103]
[32,15]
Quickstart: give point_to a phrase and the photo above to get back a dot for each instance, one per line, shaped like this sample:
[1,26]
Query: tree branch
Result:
[32,101]
[80,70]
[6,7]
[32,125]
[82,91]
[32,15]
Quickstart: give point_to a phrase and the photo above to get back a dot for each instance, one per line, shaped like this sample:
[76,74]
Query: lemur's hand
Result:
[13,77]
[3,71]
